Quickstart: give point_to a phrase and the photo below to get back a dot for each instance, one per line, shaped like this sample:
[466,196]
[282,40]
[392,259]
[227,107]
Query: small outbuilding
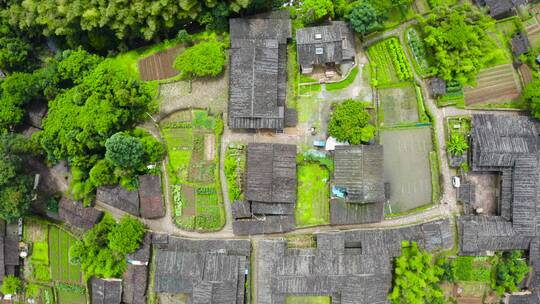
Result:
[500,9]
[327,46]
[75,214]
[437,86]
[106,291]
[520,44]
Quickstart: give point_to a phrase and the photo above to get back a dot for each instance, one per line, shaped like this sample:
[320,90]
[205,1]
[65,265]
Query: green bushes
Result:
[510,269]
[234,166]
[389,63]
[345,82]
[418,49]
[70,288]
[472,269]
[177,199]
[401,65]
[41,272]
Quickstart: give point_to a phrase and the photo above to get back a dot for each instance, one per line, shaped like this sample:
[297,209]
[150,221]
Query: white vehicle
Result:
[456,181]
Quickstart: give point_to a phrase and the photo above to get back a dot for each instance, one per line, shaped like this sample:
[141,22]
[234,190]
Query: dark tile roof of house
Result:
[150,196]
[120,198]
[324,44]
[271,173]
[75,214]
[358,170]
[257,88]
[143,253]
[503,8]
[520,44]
[241,209]
[264,224]
[208,271]
[106,291]
[437,86]
[532,298]
[135,283]
[467,193]
[353,266]
[343,213]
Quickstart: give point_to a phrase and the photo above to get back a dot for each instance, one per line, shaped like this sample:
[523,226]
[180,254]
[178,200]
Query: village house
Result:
[358,190]
[270,190]
[520,45]
[9,250]
[208,271]
[500,9]
[258,80]
[76,215]
[331,47]
[352,267]
[145,202]
[508,146]
[106,291]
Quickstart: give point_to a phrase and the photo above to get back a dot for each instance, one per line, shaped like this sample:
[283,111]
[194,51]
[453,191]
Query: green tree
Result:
[350,122]
[313,11]
[154,150]
[14,53]
[416,277]
[74,65]
[510,270]
[531,95]
[100,253]
[15,183]
[126,237]
[459,41]
[457,144]
[11,285]
[124,151]
[364,18]
[103,174]
[203,59]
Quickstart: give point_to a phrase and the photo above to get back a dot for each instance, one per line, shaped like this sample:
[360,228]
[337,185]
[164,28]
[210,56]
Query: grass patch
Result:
[422,115]
[40,253]
[312,207]
[309,89]
[70,297]
[472,269]
[343,83]
[61,270]
[435,177]
[306,78]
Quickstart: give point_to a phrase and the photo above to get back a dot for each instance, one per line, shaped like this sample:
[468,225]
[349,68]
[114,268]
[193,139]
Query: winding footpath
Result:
[446,208]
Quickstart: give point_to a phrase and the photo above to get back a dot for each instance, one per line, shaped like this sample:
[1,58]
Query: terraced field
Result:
[495,85]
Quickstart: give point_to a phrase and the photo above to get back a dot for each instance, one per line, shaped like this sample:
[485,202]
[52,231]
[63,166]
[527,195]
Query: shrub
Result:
[41,272]
[11,285]
[70,288]
[126,236]
[204,59]
[458,144]
[510,270]
[350,122]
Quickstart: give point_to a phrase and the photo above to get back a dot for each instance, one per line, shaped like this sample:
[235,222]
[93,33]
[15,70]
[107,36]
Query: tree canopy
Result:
[416,278]
[350,122]
[108,24]
[531,95]
[510,270]
[124,151]
[364,18]
[15,183]
[204,59]
[313,11]
[459,41]
[101,252]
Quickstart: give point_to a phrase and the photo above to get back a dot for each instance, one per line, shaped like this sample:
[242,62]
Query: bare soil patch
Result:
[190,208]
[495,85]
[209,147]
[159,65]
[487,191]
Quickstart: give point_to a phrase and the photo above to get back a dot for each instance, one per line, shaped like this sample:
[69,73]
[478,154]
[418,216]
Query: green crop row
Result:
[418,49]
[401,65]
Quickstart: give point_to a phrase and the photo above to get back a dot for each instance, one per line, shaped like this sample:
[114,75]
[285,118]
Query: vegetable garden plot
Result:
[193,163]
[388,62]
[407,167]
[495,85]
[159,65]
[312,207]
[61,269]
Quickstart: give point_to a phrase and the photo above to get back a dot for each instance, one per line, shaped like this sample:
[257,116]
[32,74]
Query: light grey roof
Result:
[257,88]
[208,271]
[358,169]
[106,291]
[352,267]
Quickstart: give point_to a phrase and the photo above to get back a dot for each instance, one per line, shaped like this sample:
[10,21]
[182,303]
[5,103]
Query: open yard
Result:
[61,269]
[495,85]
[312,207]
[532,26]
[398,105]
[192,144]
[407,167]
